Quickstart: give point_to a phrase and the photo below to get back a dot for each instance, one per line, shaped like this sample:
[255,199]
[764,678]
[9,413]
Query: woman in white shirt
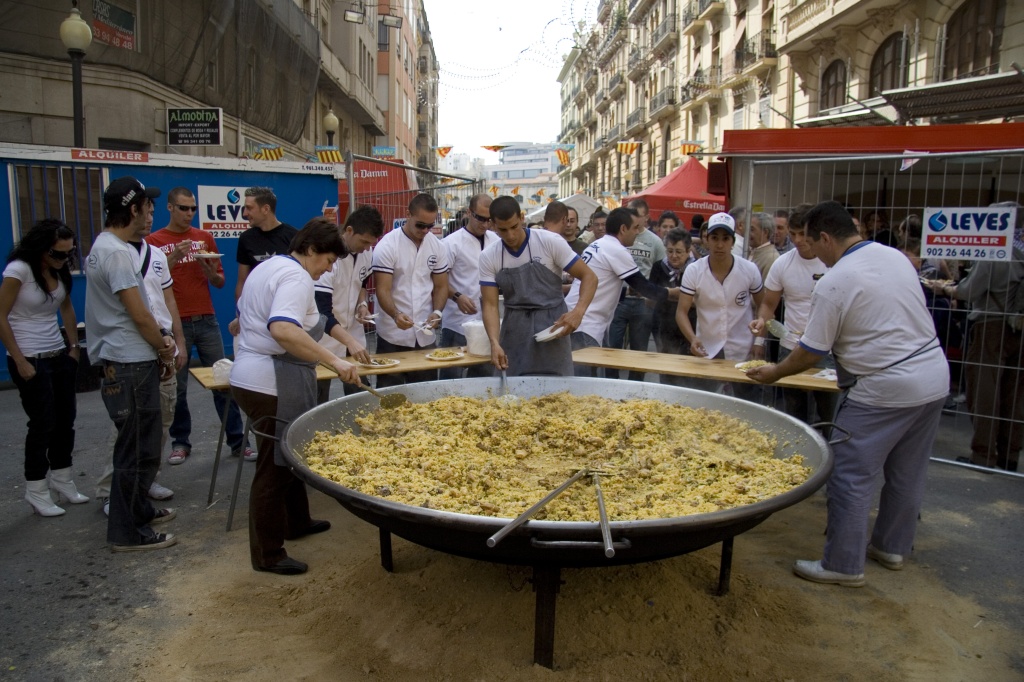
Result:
[274,375]
[36,286]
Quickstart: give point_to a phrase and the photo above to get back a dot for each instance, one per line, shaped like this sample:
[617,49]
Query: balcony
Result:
[599,148]
[604,8]
[590,80]
[662,169]
[422,64]
[705,84]
[691,24]
[615,36]
[803,19]
[636,121]
[709,8]
[589,118]
[759,52]
[616,86]
[665,36]
[636,180]
[600,103]
[639,63]
[421,130]
[663,104]
[616,184]
[613,136]
[637,10]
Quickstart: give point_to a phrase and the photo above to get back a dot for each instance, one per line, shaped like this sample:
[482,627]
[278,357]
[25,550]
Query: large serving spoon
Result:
[387,401]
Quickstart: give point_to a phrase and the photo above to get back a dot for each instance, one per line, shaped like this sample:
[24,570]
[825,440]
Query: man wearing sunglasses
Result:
[410,275]
[193,276]
[464,248]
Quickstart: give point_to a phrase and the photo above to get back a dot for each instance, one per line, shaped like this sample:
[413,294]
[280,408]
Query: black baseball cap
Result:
[123,191]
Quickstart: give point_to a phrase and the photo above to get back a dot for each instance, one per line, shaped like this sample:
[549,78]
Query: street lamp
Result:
[330,126]
[76,36]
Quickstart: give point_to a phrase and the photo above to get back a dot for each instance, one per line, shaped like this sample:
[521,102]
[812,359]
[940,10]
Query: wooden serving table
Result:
[691,366]
[409,361]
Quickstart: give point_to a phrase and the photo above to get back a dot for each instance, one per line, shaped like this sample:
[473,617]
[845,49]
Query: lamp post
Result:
[76,36]
[330,126]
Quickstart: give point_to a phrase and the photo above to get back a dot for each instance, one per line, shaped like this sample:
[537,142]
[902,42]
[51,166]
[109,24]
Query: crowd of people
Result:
[851,295]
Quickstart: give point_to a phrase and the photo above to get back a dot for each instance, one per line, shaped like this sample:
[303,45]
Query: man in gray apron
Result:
[524,266]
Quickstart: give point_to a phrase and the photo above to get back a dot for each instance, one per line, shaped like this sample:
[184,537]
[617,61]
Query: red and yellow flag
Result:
[494,147]
[690,146]
[493,190]
[515,190]
[443,151]
[269,152]
[328,155]
[563,156]
[628,146]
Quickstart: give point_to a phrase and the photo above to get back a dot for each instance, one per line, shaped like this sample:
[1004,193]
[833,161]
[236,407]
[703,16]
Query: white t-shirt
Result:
[869,310]
[279,290]
[464,251]
[795,277]
[157,279]
[724,310]
[540,246]
[612,263]
[33,317]
[412,287]
[342,283]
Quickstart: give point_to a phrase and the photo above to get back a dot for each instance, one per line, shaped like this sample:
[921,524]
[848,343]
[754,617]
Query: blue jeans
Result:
[204,333]
[631,313]
[49,402]
[131,394]
[450,338]
[579,341]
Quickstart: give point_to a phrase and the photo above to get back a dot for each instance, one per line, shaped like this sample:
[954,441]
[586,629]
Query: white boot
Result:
[60,480]
[37,494]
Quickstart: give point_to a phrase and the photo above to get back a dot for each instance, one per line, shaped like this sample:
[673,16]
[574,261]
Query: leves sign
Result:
[191,127]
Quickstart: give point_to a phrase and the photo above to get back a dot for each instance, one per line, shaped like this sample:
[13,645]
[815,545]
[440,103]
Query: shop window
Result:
[833,86]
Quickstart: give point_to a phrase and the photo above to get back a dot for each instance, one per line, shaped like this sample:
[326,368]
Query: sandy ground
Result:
[74,611]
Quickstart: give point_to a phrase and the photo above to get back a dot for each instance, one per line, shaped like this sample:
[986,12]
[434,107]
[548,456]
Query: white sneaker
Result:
[106,507]
[158,492]
[894,562]
[812,570]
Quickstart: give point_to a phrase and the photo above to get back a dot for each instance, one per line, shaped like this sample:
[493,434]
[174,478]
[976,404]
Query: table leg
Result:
[238,476]
[725,568]
[220,445]
[546,582]
[385,551]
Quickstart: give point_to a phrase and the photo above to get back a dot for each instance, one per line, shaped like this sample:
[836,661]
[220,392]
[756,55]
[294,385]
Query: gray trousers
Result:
[897,443]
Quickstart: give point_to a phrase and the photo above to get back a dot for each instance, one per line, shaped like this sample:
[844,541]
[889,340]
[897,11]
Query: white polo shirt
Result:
[795,277]
[279,290]
[156,279]
[464,249]
[343,283]
[412,287]
[547,248]
[612,263]
[869,310]
[724,310]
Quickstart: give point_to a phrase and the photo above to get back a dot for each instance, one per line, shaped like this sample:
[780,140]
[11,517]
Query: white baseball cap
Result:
[722,221]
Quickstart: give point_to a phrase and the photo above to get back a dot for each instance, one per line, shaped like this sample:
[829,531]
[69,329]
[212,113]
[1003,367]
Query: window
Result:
[888,69]
[973,37]
[72,193]
[211,74]
[833,86]
[383,39]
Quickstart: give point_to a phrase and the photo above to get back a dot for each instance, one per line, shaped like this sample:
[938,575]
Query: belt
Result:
[195,318]
[50,354]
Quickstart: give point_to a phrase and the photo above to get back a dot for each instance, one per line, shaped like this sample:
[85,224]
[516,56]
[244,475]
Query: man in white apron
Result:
[525,267]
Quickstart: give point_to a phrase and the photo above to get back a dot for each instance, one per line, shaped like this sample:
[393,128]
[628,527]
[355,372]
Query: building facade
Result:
[664,76]
[274,69]
[526,171]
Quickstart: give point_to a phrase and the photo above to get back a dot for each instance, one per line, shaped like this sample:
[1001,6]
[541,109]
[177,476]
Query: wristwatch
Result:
[455,296]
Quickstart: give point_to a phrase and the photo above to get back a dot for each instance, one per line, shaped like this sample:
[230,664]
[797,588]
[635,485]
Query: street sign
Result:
[984,233]
[193,127]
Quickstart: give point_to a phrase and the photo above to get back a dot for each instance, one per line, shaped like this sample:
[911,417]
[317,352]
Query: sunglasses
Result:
[482,219]
[423,226]
[186,209]
[60,255]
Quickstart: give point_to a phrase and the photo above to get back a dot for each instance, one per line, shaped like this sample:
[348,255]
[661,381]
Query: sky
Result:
[499,60]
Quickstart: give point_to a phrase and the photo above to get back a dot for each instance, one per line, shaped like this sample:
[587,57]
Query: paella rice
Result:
[487,457]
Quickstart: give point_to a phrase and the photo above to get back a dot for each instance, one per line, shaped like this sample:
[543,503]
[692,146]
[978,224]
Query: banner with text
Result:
[968,233]
[191,127]
[112,25]
[220,211]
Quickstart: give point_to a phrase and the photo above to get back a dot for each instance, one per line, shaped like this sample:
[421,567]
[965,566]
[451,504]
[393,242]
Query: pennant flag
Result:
[563,156]
[611,202]
[328,154]
[532,202]
[449,197]
[493,190]
[494,147]
[909,161]
[443,151]
[540,192]
[269,152]
[515,190]
[446,213]
[550,199]
[445,181]
[690,146]
[627,147]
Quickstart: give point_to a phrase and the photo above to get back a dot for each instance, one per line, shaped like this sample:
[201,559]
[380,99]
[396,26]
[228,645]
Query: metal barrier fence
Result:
[886,193]
[390,186]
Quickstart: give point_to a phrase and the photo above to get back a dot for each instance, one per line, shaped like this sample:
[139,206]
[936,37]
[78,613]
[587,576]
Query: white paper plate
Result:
[387,362]
[445,358]
[546,334]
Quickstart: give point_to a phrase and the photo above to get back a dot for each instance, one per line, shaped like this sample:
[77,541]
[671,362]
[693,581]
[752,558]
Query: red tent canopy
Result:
[684,191]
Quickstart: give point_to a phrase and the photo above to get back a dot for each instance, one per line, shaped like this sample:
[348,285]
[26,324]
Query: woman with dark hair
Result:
[36,285]
[274,375]
[666,221]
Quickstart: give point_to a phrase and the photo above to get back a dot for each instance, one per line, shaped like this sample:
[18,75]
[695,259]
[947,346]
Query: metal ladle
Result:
[387,402]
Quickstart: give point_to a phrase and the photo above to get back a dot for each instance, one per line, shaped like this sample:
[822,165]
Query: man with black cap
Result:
[135,353]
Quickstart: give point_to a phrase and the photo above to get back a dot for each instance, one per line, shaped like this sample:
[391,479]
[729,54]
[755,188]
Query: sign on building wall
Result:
[191,127]
[968,233]
[220,211]
[112,25]
[382,152]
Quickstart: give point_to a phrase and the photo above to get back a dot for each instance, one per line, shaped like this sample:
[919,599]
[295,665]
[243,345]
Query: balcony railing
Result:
[590,80]
[616,185]
[636,120]
[614,134]
[638,63]
[636,180]
[664,100]
[616,86]
[600,103]
[604,8]
[758,47]
[690,13]
[706,8]
[665,35]
[662,169]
